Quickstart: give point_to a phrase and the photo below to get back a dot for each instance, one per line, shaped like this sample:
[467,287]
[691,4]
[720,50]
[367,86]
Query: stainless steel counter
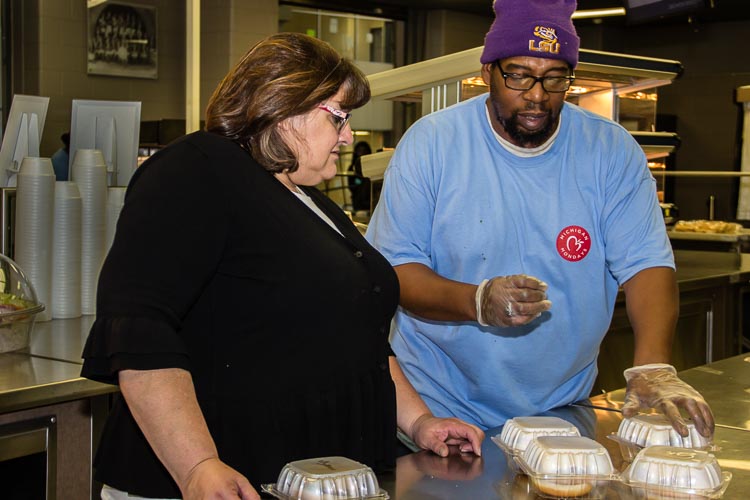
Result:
[700,267]
[425,476]
[27,382]
[48,372]
[61,339]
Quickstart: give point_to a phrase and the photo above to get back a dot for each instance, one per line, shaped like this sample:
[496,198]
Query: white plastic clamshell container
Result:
[567,466]
[656,430]
[518,432]
[669,471]
[646,430]
[326,478]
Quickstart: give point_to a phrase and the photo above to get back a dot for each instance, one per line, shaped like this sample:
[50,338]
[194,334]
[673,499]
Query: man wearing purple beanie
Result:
[512,219]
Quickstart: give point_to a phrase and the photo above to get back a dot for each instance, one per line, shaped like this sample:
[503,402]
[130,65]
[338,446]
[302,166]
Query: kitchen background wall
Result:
[49,50]
[49,58]
[701,102]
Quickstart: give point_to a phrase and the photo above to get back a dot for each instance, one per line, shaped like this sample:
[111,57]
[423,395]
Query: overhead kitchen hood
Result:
[600,70]
[618,86]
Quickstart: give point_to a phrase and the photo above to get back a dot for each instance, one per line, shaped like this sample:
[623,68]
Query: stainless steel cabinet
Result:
[53,443]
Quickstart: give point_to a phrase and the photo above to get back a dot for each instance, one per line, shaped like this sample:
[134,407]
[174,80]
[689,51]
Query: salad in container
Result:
[18,306]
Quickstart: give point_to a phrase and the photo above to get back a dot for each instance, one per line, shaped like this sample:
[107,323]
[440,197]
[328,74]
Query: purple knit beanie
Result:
[536,28]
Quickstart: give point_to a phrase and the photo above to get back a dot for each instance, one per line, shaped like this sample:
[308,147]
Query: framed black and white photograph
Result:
[122,39]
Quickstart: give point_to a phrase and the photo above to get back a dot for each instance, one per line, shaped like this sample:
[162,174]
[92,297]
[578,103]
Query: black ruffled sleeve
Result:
[169,241]
[116,344]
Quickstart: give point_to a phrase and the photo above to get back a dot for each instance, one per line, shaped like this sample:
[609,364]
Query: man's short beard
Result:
[523,138]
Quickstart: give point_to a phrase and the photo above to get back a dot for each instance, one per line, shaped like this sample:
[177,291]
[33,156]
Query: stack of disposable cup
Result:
[66,251]
[90,173]
[115,200]
[35,193]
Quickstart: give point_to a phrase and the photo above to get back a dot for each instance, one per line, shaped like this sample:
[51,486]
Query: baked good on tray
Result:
[708,226]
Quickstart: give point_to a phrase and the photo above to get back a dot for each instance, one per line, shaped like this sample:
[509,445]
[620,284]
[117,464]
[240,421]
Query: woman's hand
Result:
[213,479]
[435,434]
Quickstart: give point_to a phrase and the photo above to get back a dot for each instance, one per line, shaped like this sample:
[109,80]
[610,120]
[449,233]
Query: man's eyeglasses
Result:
[340,118]
[520,81]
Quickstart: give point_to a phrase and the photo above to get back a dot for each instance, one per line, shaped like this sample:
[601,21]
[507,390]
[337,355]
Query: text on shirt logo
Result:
[573,243]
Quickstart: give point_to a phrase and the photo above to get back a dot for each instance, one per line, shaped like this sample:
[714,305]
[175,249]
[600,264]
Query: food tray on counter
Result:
[721,237]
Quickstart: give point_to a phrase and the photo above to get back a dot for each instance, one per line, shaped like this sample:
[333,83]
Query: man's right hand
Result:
[513,300]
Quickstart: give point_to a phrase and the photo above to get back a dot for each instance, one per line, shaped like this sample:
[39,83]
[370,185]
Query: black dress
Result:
[219,269]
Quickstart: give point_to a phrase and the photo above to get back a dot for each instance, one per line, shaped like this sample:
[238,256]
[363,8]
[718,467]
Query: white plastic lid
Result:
[329,478]
[518,432]
[567,456]
[656,430]
[674,468]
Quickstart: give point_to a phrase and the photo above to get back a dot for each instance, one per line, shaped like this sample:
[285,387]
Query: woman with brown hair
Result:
[242,314]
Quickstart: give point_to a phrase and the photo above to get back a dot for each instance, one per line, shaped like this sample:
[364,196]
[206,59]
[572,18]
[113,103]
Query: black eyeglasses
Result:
[521,81]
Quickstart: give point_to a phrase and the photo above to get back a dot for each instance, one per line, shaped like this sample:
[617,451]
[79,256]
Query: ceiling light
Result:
[588,14]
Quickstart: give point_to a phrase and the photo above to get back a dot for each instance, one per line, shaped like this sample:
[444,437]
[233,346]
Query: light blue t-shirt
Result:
[583,217]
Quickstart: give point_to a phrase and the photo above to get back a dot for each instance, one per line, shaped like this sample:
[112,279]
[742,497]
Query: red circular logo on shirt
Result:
[573,243]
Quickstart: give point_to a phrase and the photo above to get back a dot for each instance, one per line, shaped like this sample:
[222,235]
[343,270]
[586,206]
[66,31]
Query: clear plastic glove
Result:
[511,300]
[657,386]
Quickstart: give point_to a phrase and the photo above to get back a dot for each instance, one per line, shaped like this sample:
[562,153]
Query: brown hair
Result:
[284,75]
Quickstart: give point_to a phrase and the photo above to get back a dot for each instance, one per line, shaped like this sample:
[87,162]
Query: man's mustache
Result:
[530,106]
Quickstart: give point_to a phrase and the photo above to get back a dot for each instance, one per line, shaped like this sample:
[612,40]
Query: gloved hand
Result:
[511,300]
[657,386]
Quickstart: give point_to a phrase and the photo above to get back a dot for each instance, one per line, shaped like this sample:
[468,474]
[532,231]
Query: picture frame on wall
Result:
[122,39]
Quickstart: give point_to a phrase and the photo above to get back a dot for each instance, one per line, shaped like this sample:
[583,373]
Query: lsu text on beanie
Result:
[535,28]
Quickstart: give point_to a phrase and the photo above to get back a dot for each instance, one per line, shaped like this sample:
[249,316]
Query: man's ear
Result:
[487,72]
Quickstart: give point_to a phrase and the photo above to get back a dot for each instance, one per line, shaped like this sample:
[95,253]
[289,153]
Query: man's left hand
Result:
[657,386]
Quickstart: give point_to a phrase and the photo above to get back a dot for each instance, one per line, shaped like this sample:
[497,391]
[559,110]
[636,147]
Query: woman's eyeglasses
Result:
[340,118]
